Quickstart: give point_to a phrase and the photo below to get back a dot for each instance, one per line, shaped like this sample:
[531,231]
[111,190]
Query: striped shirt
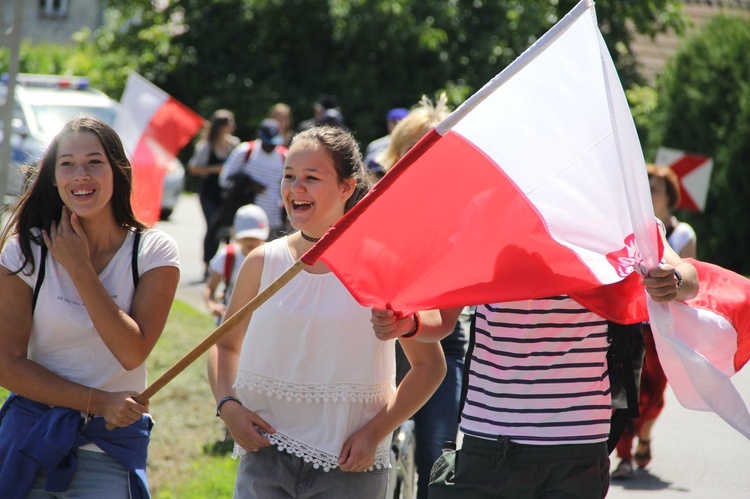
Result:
[538,374]
[265,168]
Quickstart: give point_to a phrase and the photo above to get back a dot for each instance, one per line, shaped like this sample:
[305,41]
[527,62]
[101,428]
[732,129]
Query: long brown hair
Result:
[40,204]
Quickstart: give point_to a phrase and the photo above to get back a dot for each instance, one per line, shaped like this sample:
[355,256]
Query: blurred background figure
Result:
[379,145]
[409,130]
[249,230]
[324,103]
[665,196]
[252,174]
[437,421]
[206,163]
[283,114]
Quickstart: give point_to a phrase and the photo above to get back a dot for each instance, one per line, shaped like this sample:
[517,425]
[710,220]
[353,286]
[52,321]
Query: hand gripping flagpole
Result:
[224,328]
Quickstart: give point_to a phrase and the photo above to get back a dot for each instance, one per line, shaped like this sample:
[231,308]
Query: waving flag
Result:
[703,342]
[535,186]
[153,127]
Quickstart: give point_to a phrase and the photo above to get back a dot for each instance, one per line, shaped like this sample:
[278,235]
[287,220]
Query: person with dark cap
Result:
[260,163]
[325,110]
[379,145]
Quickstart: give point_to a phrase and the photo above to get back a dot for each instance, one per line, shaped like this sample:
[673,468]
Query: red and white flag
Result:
[703,342]
[153,127]
[693,172]
[536,186]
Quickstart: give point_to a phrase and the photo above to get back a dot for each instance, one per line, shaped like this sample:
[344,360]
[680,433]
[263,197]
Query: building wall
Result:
[653,53]
[39,26]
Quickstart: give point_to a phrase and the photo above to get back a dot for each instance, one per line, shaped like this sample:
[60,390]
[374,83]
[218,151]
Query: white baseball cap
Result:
[251,221]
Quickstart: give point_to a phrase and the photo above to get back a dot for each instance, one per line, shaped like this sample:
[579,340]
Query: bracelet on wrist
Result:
[679,279]
[417,327]
[223,401]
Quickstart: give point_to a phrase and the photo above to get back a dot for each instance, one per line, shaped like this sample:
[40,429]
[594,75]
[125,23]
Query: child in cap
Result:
[249,230]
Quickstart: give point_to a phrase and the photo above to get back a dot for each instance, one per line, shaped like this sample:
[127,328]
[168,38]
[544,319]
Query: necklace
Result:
[308,238]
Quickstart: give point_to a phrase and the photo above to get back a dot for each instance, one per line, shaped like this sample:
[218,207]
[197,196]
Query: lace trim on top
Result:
[299,392]
[317,458]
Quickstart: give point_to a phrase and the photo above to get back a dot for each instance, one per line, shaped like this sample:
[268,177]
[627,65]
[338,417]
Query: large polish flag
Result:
[153,127]
[536,186]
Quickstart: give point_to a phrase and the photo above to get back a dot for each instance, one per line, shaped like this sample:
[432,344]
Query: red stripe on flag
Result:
[682,167]
[480,239]
[727,294]
[149,170]
[173,125]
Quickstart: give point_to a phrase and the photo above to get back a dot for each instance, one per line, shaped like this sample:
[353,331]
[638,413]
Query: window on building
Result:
[53,8]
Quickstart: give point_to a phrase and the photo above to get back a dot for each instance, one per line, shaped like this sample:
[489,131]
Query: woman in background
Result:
[206,163]
[665,196]
[283,114]
[437,421]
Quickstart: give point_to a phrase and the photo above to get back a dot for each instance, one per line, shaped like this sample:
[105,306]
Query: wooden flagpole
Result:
[226,326]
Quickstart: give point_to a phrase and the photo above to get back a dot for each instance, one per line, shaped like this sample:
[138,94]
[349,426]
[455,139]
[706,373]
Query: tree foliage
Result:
[245,55]
[704,107]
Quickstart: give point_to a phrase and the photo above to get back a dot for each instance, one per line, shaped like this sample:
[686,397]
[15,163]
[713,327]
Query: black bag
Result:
[625,364]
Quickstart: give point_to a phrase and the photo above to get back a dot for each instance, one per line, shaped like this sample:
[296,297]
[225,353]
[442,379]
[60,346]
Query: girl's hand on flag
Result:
[388,326]
[662,283]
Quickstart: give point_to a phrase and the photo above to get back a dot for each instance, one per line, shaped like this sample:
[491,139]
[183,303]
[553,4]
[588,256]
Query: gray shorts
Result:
[501,469]
[271,474]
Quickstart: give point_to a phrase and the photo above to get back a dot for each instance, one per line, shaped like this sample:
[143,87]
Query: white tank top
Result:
[311,366]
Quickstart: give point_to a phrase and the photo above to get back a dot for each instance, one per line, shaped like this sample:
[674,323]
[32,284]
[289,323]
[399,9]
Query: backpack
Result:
[624,364]
[243,189]
[43,264]
[228,265]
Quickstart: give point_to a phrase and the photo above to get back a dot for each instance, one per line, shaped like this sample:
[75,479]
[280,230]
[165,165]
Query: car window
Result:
[51,119]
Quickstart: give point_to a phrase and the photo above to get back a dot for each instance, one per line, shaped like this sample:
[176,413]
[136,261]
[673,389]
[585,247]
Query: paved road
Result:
[696,455]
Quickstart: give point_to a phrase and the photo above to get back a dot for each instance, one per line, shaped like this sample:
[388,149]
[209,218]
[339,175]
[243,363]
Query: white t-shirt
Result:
[310,365]
[681,235]
[63,337]
[219,261]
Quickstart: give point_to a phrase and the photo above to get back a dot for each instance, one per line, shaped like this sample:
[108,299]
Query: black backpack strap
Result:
[627,348]
[43,261]
[39,277]
[467,364]
[134,264]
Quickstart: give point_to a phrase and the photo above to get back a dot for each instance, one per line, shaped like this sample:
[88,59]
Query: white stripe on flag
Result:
[140,101]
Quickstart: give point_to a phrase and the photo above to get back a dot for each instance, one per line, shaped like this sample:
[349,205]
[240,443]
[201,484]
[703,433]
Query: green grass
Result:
[182,460]
[187,456]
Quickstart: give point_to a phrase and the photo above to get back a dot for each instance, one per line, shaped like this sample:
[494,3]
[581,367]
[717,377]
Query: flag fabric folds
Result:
[534,187]
[153,127]
[704,341]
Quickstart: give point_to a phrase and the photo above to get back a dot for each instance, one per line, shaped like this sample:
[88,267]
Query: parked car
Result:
[43,103]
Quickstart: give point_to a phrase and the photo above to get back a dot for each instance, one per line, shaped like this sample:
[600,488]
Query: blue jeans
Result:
[97,476]
[437,422]
[274,474]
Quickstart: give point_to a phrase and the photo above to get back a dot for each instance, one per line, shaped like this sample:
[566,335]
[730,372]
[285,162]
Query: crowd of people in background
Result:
[265,201]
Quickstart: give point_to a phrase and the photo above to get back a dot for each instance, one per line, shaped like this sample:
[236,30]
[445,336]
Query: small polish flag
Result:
[694,173]
[153,127]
